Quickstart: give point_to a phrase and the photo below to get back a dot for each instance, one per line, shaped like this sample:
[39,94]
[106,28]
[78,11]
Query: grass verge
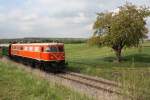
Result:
[16,84]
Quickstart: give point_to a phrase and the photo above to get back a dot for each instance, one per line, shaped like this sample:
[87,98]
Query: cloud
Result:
[53,18]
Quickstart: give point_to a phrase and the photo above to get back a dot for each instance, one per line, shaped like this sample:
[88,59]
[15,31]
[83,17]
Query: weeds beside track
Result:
[86,85]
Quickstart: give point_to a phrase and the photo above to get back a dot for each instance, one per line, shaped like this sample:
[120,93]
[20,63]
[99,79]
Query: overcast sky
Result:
[54,18]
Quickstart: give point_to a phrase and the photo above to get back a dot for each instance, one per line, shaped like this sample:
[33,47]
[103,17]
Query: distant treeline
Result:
[43,40]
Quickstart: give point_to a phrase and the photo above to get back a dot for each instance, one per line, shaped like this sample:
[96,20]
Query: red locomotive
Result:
[44,55]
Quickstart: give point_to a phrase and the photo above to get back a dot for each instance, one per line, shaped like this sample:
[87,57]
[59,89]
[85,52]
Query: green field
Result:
[133,72]
[97,61]
[16,84]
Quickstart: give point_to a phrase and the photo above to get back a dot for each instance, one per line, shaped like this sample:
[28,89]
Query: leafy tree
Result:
[127,27]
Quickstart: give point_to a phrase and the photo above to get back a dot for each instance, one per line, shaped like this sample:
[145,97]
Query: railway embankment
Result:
[18,82]
[95,88]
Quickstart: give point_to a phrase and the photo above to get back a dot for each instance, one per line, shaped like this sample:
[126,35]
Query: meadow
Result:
[133,72]
[17,84]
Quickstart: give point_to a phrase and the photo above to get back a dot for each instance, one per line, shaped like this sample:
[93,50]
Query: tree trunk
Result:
[118,54]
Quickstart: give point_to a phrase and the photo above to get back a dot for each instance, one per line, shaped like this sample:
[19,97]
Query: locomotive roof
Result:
[38,44]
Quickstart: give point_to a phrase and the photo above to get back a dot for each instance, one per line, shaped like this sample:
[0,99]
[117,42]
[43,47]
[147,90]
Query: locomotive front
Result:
[54,55]
[55,52]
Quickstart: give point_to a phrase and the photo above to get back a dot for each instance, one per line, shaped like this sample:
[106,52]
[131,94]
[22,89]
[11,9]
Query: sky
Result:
[54,18]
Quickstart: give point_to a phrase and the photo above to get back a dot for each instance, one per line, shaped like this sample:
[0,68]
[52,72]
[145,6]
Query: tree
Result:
[127,27]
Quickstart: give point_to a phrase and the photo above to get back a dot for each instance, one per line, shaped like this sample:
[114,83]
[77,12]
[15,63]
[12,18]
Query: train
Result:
[47,56]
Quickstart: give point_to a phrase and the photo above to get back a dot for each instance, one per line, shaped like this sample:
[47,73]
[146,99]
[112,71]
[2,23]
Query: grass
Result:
[102,58]
[16,84]
[146,43]
[133,72]
[0,52]
[100,61]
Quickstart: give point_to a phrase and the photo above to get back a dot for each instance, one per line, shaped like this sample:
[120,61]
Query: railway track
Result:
[96,83]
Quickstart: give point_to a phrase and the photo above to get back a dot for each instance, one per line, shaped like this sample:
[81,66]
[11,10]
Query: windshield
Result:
[54,49]
[60,48]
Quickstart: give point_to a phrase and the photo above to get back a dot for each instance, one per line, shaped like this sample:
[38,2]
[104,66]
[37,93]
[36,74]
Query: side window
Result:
[30,48]
[47,49]
[53,49]
[36,49]
[14,47]
[17,47]
[26,48]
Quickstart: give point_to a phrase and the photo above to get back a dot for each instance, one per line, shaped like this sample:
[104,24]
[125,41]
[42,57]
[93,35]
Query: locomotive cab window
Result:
[60,48]
[51,49]
[47,49]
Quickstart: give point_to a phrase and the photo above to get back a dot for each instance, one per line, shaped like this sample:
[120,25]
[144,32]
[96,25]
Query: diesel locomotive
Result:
[48,56]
